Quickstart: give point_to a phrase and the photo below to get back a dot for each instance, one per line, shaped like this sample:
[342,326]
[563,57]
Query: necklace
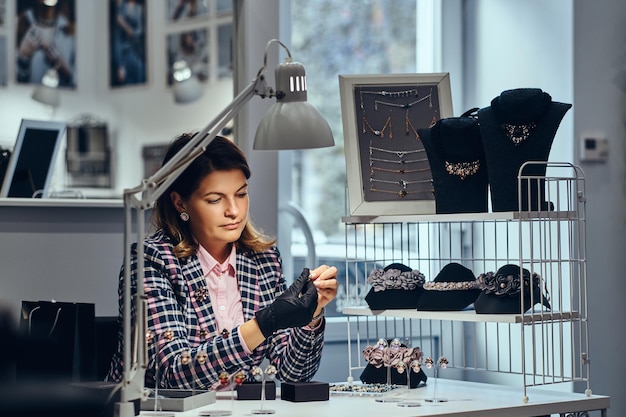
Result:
[405,105]
[462,169]
[396,171]
[402,193]
[401,183]
[392,94]
[377,132]
[518,133]
[407,121]
[401,161]
[400,154]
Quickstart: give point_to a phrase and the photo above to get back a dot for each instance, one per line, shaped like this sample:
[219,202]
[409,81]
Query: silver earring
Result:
[184,216]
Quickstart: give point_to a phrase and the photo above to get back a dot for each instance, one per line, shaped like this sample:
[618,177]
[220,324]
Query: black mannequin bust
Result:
[518,127]
[457,162]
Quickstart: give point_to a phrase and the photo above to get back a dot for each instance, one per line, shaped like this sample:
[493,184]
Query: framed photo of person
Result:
[127,43]
[225,50]
[46,39]
[190,46]
[387,167]
[183,10]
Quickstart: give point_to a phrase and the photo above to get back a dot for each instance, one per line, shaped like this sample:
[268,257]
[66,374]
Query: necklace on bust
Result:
[463,169]
[518,133]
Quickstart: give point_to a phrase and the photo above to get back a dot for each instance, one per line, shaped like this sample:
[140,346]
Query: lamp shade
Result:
[186,86]
[292,122]
[47,92]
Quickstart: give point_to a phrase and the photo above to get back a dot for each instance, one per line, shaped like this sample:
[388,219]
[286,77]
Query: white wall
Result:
[600,108]
[528,44]
[136,115]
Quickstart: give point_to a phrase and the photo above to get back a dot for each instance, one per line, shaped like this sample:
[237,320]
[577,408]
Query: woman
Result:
[216,297]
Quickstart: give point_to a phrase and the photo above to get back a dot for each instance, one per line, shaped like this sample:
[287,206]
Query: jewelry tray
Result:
[179,400]
[359,389]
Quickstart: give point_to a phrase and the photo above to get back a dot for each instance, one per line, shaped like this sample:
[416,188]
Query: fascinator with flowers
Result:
[397,286]
[502,291]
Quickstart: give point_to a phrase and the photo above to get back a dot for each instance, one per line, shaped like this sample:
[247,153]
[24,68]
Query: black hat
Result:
[501,292]
[457,161]
[453,289]
[397,286]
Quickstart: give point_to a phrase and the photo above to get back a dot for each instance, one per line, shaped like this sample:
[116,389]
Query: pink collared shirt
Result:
[221,281]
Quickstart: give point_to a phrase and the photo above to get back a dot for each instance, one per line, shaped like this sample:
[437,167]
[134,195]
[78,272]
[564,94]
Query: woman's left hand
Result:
[324,278]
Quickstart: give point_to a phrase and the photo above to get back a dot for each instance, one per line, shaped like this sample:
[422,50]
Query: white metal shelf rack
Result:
[538,347]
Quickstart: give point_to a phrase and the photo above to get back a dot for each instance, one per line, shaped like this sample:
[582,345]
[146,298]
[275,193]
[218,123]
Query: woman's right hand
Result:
[293,308]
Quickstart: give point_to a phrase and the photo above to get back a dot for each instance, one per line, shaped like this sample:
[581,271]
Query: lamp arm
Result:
[152,187]
[135,363]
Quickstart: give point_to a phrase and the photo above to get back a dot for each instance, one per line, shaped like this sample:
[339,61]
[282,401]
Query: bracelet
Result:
[319,316]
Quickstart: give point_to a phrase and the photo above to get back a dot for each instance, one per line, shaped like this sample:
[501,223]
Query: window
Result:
[349,37]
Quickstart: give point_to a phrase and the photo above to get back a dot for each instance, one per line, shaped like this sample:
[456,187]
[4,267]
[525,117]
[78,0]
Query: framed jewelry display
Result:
[387,167]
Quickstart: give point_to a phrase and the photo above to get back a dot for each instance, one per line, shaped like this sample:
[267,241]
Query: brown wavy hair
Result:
[220,154]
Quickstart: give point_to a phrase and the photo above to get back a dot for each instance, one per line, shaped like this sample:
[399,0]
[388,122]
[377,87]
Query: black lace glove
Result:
[293,308]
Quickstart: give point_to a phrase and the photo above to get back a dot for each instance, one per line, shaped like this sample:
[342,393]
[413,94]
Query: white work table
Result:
[465,399]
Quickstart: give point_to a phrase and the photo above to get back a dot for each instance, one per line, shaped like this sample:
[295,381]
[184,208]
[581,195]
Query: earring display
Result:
[165,337]
[388,363]
[442,363]
[225,379]
[162,402]
[268,375]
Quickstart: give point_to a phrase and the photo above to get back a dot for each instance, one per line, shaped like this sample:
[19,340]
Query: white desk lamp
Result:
[48,92]
[291,123]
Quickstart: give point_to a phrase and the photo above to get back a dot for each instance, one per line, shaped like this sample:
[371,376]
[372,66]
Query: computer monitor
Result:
[29,171]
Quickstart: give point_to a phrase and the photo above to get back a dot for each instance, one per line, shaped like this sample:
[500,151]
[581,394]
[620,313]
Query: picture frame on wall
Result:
[45,38]
[191,46]
[387,167]
[3,11]
[127,43]
[225,50]
[183,10]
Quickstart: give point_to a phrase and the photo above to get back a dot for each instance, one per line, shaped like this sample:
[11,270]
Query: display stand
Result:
[530,348]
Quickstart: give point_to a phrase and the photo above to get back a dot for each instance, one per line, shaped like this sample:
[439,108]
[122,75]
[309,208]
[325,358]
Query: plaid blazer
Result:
[186,350]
